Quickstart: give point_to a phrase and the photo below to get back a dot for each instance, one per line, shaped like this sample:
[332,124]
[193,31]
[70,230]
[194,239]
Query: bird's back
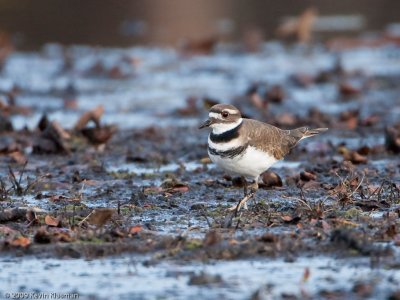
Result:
[272,139]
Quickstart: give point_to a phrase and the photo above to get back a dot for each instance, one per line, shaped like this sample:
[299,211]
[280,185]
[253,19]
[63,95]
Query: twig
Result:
[204,214]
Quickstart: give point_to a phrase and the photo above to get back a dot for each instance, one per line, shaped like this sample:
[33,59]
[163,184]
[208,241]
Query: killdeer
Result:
[248,147]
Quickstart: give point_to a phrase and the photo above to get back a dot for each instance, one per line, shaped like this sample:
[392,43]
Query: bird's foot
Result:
[242,203]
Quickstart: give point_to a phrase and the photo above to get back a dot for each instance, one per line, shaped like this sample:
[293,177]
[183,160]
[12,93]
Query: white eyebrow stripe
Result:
[231,111]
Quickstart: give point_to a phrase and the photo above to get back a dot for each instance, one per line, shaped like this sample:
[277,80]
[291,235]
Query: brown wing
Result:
[274,140]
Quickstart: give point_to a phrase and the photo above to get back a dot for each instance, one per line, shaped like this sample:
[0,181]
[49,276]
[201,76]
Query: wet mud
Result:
[117,173]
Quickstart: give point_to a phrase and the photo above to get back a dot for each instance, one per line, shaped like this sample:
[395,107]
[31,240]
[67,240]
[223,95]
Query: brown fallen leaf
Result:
[306,274]
[276,94]
[348,89]
[349,119]
[99,217]
[51,221]
[364,289]
[196,47]
[50,140]
[307,176]
[172,185]
[5,123]
[5,230]
[291,219]
[271,179]
[22,242]
[370,121]
[62,235]
[302,79]
[63,134]
[99,135]
[92,115]
[212,237]
[287,218]
[300,27]
[205,161]
[392,139]
[286,119]
[209,102]
[18,157]
[355,157]
[135,229]
[42,236]
[190,109]
[31,217]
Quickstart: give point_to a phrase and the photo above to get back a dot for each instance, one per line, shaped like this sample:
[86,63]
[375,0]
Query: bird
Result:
[248,147]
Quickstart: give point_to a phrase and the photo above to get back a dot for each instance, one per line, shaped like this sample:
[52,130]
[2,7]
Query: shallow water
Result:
[160,80]
[127,278]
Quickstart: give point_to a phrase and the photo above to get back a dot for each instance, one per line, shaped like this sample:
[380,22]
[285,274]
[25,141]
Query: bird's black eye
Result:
[225,114]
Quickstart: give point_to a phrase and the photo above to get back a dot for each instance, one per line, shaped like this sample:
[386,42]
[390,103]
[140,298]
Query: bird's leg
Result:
[248,195]
[244,186]
[254,187]
[242,202]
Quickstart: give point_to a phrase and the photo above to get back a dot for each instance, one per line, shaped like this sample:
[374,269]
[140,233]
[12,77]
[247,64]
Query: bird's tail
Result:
[305,132]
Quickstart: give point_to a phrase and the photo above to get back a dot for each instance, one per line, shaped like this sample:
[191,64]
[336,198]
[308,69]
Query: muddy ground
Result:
[105,176]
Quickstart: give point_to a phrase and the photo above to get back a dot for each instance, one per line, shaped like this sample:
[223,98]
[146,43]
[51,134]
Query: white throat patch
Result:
[219,128]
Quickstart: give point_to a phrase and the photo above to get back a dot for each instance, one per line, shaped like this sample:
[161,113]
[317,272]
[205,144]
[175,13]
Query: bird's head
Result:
[222,118]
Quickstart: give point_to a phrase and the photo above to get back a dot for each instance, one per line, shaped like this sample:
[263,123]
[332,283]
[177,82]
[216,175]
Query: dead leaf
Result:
[356,158]
[135,229]
[18,157]
[63,236]
[212,237]
[286,119]
[50,140]
[307,176]
[5,230]
[31,217]
[20,242]
[99,216]
[93,115]
[306,274]
[271,179]
[287,218]
[347,89]
[61,131]
[201,46]
[276,94]
[172,185]
[205,160]
[42,236]
[50,221]
[392,139]
[300,27]
[291,219]
[99,135]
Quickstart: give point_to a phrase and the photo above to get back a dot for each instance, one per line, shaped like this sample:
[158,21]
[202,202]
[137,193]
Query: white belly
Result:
[250,164]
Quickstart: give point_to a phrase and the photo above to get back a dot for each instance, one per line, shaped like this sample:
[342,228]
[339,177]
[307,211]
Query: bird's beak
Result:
[207,123]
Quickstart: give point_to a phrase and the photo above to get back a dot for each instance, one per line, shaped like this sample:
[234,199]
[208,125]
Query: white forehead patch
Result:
[215,115]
